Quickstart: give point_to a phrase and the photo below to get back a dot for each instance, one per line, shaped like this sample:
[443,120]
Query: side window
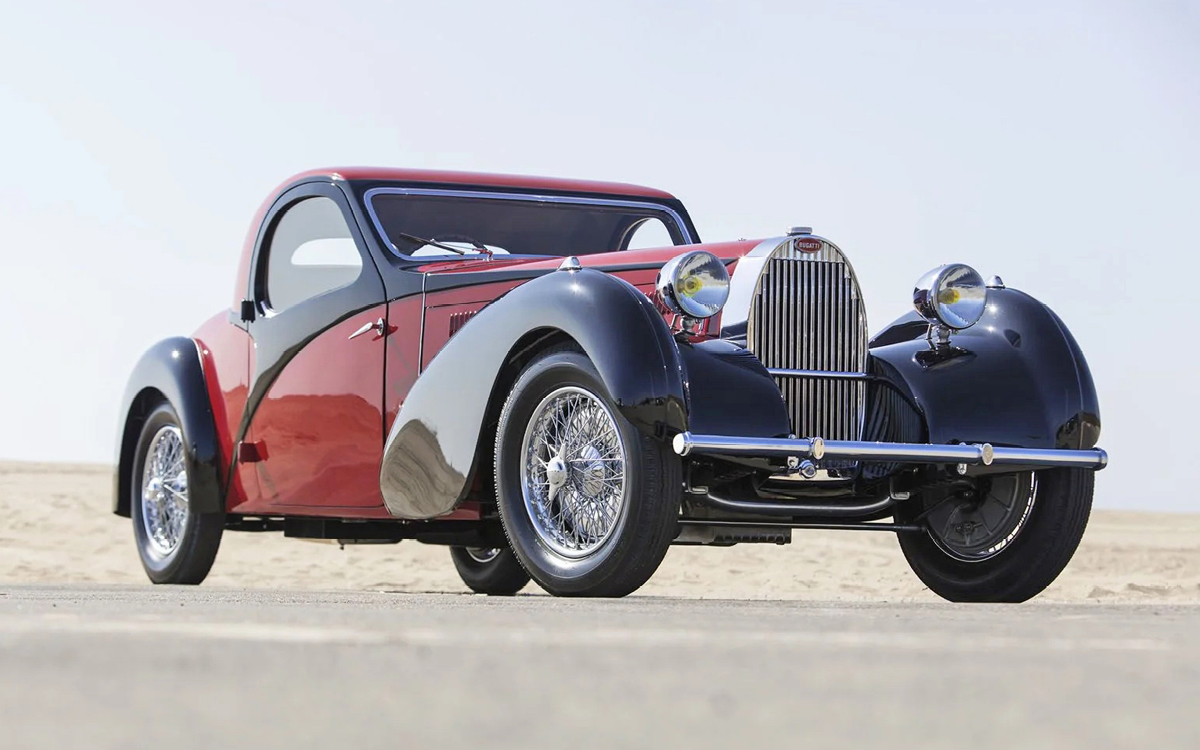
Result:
[311,252]
[648,233]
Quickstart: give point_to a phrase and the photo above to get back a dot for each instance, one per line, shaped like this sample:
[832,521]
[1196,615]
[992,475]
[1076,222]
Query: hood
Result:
[614,261]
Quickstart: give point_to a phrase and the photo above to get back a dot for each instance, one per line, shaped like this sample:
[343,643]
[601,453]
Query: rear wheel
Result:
[176,544]
[1004,542]
[589,503]
[493,570]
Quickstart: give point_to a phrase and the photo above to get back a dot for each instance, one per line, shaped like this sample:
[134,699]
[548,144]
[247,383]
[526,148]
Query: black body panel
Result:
[439,436]
[171,369]
[729,392]
[1015,378]
[278,338]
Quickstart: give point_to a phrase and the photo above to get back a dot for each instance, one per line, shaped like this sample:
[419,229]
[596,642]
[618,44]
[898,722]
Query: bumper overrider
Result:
[980,454]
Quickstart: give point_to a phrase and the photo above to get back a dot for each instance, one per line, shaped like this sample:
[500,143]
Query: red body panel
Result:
[224,351]
[320,426]
[440,307]
[319,432]
[482,179]
[403,355]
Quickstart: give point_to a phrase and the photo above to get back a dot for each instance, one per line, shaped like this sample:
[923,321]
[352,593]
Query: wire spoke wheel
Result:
[573,472]
[164,493]
[979,529]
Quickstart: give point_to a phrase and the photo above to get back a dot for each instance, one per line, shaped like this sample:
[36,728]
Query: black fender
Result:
[1015,378]
[171,370]
[730,392]
[435,446]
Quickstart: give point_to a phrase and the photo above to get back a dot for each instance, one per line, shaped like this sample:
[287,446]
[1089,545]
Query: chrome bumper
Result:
[983,454]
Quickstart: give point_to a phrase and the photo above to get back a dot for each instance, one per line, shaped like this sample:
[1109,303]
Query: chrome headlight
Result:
[953,296]
[694,284]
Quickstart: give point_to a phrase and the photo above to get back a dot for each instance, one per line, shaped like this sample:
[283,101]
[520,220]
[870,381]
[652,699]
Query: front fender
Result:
[431,451]
[430,457]
[1015,378]
[171,370]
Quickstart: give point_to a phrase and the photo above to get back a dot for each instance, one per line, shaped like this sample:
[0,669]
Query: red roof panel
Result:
[479,179]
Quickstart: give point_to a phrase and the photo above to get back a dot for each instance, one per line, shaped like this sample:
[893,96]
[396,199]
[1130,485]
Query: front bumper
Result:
[983,454]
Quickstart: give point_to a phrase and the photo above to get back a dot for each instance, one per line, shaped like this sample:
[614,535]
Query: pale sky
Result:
[1053,143]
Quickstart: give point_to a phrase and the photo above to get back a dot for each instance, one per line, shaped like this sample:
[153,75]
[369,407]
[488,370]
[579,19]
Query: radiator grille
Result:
[807,314]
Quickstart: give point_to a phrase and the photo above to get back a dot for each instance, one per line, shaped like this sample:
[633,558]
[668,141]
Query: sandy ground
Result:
[55,527]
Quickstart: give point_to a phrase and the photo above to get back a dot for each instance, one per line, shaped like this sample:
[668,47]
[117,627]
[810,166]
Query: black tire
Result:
[652,489]
[497,572]
[1024,567]
[189,561]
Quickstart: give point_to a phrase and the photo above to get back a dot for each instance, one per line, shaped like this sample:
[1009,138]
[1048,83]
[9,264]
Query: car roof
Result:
[480,179]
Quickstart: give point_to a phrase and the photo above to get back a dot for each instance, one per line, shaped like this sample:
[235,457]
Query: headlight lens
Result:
[953,295]
[694,284]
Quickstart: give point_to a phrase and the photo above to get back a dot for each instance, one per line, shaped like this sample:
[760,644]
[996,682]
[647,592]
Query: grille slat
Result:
[807,314]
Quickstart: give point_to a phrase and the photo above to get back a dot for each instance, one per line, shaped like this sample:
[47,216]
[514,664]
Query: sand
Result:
[55,527]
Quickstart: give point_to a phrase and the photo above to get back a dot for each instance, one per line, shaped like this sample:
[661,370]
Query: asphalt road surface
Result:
[107,667]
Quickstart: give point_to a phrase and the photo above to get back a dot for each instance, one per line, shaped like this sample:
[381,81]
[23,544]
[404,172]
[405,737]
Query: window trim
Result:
[263,251]
[369,203]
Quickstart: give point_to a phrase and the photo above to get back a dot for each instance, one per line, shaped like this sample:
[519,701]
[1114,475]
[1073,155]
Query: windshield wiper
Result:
[434,243]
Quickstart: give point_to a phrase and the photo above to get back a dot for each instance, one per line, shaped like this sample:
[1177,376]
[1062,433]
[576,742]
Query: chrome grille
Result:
[807,314]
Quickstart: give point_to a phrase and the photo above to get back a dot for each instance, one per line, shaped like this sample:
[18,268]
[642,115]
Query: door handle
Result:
[377,326]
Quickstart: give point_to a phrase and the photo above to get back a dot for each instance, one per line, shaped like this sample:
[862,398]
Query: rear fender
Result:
[171,371]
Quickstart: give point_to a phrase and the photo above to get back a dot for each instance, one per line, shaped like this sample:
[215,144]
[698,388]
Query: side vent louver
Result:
[458,320]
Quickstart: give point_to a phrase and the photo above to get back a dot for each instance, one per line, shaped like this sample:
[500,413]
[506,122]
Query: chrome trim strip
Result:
[744,283]
[1050,457]
[685,443]
[368,201]
[835,374]
[983,454]
[924,453]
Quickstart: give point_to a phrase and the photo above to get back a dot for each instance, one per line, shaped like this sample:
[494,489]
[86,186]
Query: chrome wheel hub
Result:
[483,554]
[556,473]
[164,492]
[981,528]
[573,472]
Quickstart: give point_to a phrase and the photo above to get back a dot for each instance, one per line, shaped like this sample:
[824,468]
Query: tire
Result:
[170,553]
[616,515]
[489,571]
[1026,562]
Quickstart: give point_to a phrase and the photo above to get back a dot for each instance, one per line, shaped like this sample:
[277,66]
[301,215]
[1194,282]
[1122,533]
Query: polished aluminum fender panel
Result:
[171,369]
[434,444]
[1015,378]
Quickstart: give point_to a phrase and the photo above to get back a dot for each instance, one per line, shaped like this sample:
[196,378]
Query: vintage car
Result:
[558,380]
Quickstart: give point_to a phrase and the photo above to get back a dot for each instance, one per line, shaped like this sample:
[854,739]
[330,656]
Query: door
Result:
[315,433]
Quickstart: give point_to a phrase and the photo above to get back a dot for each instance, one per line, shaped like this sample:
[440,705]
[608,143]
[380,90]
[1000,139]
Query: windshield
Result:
[412,221]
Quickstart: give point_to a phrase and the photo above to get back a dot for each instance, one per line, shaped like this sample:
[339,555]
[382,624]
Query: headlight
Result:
[953,296]
[694,284]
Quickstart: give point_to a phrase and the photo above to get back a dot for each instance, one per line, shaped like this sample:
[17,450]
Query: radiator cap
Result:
[799,230]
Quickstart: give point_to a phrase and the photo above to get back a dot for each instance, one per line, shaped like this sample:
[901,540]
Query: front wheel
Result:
[489,570]
[1004,541]
[589,503]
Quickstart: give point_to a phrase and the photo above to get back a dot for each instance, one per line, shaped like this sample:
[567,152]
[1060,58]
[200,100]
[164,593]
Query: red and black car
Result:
[500,364]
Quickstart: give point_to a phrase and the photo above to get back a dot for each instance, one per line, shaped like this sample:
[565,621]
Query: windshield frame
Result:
[667,212]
